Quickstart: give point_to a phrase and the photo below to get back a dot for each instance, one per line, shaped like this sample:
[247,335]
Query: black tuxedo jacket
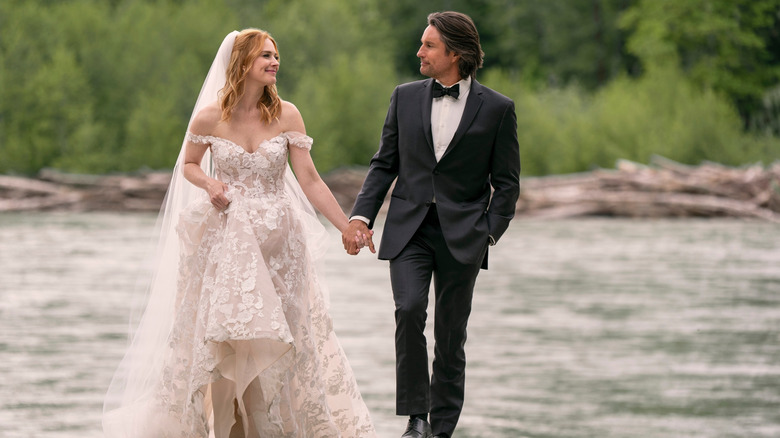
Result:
[484,153]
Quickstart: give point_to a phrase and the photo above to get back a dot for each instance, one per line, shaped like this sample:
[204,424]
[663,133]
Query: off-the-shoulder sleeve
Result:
[299,140]
[197,138]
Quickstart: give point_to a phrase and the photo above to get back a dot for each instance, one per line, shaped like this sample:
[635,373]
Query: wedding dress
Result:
[243,341]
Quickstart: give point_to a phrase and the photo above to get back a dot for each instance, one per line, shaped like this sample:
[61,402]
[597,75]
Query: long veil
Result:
[131,392]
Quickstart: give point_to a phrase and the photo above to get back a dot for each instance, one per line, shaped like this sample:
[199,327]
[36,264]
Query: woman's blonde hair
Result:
[248,46]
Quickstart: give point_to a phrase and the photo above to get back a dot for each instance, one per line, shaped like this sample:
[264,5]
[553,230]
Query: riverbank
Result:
[662,189]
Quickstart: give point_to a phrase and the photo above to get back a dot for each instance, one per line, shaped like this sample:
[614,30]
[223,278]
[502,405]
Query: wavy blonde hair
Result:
[247,47]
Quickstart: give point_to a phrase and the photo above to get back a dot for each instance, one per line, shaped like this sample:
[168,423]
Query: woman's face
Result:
[265,66]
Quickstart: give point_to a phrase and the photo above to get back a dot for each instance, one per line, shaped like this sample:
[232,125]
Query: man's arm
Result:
[382,171]
[383,168]
[504,175]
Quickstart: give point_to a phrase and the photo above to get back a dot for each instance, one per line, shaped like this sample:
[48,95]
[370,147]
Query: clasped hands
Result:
[357,236]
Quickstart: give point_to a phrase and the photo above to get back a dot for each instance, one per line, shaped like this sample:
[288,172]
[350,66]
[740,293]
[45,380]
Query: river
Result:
[581,328]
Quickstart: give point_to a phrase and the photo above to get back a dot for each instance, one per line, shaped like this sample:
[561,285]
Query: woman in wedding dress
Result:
[236,340]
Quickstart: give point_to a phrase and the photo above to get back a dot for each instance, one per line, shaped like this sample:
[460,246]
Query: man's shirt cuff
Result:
[360,218]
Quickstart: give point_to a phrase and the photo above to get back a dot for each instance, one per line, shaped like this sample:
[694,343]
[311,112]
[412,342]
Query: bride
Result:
[236,340]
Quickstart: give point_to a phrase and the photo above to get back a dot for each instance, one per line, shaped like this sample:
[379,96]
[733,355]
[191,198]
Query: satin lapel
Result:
[427,101]
[473,103]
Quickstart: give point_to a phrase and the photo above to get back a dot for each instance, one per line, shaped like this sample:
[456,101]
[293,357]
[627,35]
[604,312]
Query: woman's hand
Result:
[216,190]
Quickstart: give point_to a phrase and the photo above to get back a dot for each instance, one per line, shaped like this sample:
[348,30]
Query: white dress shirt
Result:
[446,112]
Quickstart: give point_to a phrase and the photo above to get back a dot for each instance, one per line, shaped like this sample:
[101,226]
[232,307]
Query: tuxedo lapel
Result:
[473,103]
[427,102]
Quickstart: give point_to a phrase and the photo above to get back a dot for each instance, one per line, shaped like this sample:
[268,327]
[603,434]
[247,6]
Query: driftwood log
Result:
[53,190]
[662,189]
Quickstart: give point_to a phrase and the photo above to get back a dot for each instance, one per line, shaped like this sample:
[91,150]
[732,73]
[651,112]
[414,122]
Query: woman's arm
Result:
[311,183]
[315,188]
[193,154]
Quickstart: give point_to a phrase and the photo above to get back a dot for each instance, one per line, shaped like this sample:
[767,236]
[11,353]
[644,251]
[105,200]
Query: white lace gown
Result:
[252,342]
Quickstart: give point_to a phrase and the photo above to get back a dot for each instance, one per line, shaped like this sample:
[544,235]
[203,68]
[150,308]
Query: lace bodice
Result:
[254,174]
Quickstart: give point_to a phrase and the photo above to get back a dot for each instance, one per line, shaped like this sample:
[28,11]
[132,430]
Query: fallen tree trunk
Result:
[60,191]
[662,189]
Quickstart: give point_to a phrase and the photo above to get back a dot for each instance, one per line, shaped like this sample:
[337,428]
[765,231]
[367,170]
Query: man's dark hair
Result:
[460,36]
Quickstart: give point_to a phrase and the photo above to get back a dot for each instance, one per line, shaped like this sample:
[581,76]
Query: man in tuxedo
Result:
[446,142]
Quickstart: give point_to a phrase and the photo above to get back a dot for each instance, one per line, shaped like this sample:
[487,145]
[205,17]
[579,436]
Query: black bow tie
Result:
[439,90]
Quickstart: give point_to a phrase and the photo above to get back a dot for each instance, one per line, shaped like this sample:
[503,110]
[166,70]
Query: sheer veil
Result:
[131,393]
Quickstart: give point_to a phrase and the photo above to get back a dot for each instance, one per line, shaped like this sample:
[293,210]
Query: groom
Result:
[446,142]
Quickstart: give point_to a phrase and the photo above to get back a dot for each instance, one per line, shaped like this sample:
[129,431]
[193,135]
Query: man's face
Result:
[435,61]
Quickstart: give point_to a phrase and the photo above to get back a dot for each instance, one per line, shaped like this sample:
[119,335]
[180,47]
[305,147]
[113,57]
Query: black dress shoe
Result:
[417,428]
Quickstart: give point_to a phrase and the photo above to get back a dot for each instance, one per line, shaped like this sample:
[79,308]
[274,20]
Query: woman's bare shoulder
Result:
[206,120]
[291,119]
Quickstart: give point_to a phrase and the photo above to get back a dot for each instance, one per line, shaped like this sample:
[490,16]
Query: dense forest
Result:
[99,86]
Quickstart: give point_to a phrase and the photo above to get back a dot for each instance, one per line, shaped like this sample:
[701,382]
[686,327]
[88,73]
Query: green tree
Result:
[92,87]
[175,45]
[554,42]
[46,100]
[558,42]
[564,130]
[345,117]
[730,46]
[102,86]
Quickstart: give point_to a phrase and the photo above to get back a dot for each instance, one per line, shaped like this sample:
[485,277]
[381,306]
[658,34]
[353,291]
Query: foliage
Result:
[91,88]
[346,118]
[731,46]
[551,42]
[45,91]
[563,130]
[104,86]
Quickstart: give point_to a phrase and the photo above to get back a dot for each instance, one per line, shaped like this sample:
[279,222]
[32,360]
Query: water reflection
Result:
[590,328]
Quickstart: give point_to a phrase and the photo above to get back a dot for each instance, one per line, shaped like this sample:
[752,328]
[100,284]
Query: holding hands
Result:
[356,236]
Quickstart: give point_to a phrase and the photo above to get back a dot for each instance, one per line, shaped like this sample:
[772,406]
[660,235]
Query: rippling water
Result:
[581,328]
